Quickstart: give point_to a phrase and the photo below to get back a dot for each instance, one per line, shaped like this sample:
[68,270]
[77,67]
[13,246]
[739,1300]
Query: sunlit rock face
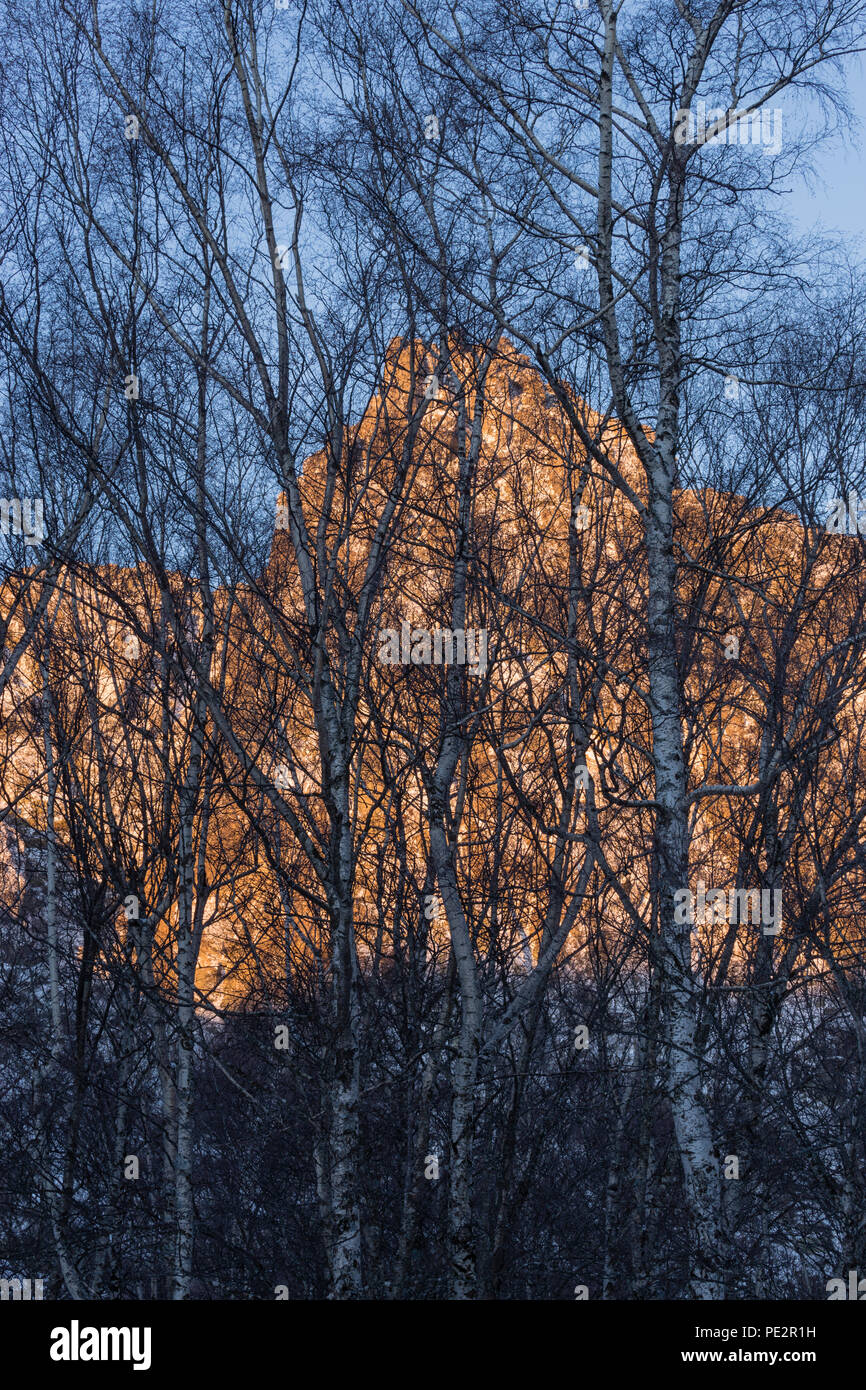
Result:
[462,458]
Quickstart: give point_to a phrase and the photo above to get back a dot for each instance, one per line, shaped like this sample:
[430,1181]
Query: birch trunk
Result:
[697,1151]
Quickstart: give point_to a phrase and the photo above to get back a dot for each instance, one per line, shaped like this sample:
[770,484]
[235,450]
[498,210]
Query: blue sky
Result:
[834,198]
